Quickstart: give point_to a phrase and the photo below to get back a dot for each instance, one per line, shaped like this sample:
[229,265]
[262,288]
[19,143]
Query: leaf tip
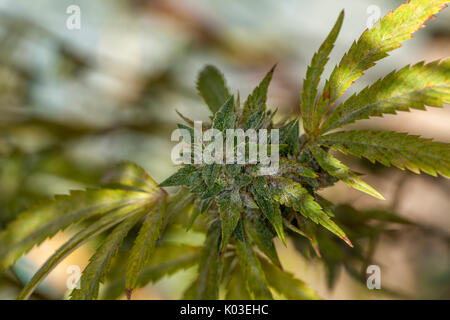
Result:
[347,241]
[317,251]
[129,292]
[273,68]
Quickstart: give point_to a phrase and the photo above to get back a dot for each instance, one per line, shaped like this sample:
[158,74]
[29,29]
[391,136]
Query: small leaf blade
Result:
[207,284]
[212,87]
[291,194]
[269,208]
[313,74]
[286,284]
[263,238]
[144,245]
[256,101]
[254,277]
[337,169]
[230,208]
[94,274]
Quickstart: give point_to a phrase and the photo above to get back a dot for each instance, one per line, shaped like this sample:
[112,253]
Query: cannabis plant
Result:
[239,211]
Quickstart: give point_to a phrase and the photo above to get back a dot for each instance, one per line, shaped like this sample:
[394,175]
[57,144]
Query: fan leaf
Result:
[101,225]
[99,264]
[393,148]
[373,45]
[410,88]
[40,222]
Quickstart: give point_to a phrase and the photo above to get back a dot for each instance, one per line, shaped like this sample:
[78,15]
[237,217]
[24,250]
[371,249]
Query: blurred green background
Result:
[74,102]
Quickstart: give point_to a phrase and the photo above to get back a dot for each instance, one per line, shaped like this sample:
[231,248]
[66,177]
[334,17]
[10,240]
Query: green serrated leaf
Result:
[168,259]
[95,272]
[393,148]
[254,277]
[207,284]
[224,118]
[292,166]
[263,238]
[212,87]
[248,201]
[291,194]
[255,120]
[313,74]
[210,173]
[195,212]
[270,209]
[185,176]
[230,208]
[337,169]
[130,175]
[286,284]
[104,223]
[206,204]
[256,101]
[144,245]
[289,135]
[236,288]
[410,88]
[373,45]
[43,221]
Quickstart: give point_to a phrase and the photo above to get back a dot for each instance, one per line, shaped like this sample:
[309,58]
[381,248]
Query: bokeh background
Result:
[74,102]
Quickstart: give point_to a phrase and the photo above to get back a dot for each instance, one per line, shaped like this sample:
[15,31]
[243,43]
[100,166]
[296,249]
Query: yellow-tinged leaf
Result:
[101,225]
[393,148]
[337,169]
[95,272]
[373,45]
[409,88]
[291,194]
[315,70]
[144,245]
[42,221]
[286,284]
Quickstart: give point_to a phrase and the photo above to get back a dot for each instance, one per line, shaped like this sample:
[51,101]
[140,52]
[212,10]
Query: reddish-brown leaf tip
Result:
[129,292]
